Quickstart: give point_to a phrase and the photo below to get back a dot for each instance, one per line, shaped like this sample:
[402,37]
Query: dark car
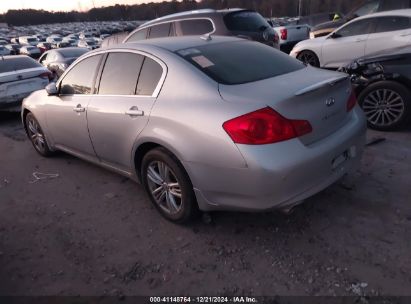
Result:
[229,22]
[383,85]
[367,7]
[58,60]
[44,46]
[14,48]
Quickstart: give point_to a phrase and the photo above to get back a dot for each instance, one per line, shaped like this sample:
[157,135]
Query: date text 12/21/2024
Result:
[239,299]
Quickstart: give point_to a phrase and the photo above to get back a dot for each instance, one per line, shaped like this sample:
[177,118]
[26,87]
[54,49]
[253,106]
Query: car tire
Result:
[168,186]
[309,57]
[386,104]
[36,136]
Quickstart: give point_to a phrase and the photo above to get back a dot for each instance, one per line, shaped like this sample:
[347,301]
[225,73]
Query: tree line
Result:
[268,8]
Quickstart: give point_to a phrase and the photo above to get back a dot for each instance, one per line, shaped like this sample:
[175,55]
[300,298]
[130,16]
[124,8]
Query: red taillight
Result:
[284,34]
[276,38]
[263,127]
[352,101]
[46,75]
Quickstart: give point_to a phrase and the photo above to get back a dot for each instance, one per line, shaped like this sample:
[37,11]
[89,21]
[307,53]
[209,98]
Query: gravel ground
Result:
[91,232]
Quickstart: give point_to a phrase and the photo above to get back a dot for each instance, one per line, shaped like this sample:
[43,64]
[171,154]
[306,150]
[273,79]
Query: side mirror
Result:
[335,35]
[51,89]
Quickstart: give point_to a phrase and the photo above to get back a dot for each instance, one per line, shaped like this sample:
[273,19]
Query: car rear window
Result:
[245,21]
[15,64]
[240,62]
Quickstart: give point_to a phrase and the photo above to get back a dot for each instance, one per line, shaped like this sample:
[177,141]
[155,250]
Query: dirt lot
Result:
[91,232]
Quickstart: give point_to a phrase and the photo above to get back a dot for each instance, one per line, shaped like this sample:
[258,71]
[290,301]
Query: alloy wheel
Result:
[36,135]
[383,107]
[164,187]
[308,58]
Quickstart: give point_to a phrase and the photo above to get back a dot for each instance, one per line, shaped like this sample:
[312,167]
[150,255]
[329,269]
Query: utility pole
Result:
[300,7]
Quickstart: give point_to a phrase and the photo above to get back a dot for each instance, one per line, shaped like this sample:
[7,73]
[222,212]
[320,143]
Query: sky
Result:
[63,5]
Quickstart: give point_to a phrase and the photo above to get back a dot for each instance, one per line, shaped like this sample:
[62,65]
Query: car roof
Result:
[400,12]
[192,14]
[176,43]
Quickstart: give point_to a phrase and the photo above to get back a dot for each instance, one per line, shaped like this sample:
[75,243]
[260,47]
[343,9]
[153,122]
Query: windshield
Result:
[31,40]
[248,21]
[367,8]
[72,53]
[240,62]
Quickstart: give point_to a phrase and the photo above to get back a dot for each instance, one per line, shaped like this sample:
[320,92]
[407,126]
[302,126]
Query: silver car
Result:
[210,123]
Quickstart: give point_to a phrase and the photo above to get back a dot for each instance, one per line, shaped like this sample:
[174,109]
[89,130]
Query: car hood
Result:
[329,24]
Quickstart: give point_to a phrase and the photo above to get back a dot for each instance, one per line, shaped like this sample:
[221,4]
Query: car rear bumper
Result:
[20,92]
[281,175]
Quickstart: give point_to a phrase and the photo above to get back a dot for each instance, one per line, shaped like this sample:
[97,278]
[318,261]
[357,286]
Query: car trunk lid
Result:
[317,96]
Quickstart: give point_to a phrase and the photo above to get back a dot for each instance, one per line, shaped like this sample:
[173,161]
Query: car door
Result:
[347,43]
[128,87]
[67,112]
[390,32]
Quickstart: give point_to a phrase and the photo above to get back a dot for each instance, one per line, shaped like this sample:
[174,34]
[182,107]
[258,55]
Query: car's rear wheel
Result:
[386,104]
[309,57]
[168,186]
[36,136]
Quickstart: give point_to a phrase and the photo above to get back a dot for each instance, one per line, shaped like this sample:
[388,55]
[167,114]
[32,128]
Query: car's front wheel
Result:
[168,186]
[36,136]
[310,58]
[387,105]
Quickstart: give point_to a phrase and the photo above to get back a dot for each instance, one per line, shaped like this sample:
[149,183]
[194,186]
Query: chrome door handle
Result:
[360,40]
[405,34]
[134,111]
[79,109]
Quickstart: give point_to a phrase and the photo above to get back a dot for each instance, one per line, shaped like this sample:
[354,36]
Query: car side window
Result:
[194,27]
[360,27]
[79,80]
[160,30]
[120,74]
[150,76]
[390,24]
[139,35]
[43,59]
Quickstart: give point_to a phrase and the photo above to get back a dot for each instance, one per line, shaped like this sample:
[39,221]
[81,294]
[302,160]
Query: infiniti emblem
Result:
[330,101]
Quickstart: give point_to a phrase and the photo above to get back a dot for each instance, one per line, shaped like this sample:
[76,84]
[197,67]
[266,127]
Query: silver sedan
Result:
[210,123]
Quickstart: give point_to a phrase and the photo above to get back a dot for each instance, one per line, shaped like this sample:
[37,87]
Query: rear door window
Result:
[240,62]
[79,80]
[149,77]
[120,74]
[194,27]
[390,24]
[160,30]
